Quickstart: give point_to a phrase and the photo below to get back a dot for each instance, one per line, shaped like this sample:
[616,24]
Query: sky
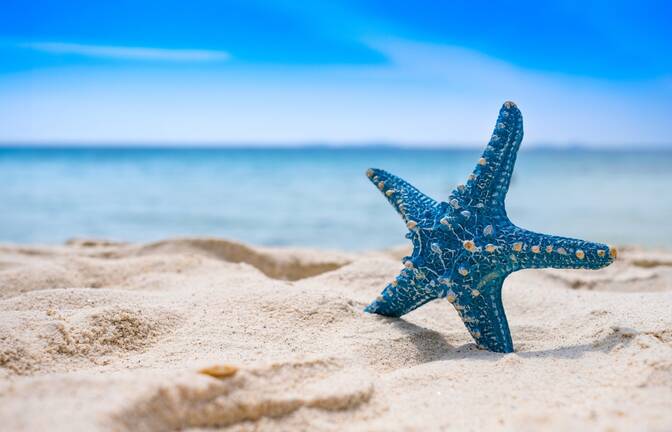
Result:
[423,72]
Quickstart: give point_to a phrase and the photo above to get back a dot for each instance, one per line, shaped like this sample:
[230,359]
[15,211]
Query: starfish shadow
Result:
[618,338]
[432,345]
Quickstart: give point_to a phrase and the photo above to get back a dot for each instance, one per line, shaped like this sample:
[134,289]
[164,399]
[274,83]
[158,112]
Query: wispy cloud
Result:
[129,53]
[432,94]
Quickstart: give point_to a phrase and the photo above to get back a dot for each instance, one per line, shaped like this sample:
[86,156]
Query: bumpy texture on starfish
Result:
[463,249]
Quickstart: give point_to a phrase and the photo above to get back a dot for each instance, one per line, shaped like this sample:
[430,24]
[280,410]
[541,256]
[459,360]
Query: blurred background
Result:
[255,121]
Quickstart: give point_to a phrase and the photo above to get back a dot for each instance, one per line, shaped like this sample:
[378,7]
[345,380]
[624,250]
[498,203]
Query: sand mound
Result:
[101,264]
[275,263]
[81,271]
[100,335]
[106,331]
[80,333]
[252,394]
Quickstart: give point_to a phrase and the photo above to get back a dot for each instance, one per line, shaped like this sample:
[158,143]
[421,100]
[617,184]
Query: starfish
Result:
[464,248]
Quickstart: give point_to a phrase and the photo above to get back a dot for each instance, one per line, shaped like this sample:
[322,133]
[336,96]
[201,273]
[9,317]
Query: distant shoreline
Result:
[625,148]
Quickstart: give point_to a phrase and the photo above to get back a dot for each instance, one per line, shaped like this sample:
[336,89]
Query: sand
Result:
[197,334]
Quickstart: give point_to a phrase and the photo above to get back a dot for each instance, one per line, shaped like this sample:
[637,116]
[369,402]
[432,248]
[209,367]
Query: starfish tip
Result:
[382,308]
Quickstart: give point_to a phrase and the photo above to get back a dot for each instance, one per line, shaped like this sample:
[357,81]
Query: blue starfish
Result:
[463,249]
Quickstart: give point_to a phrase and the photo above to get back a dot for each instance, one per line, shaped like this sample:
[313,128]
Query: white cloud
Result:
[427,94]
[129,53]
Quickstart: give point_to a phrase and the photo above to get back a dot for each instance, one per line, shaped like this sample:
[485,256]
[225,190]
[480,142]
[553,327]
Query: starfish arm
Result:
[410,203]
[492,175]
[534,250]
[482,312]
[404,294]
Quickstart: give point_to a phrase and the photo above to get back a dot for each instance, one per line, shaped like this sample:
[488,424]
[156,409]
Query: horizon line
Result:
[307,145]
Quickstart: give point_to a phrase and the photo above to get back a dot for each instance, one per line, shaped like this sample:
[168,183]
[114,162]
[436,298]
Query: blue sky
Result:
[416,73]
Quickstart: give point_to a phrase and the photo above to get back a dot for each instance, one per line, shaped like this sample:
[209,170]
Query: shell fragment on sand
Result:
[220,371]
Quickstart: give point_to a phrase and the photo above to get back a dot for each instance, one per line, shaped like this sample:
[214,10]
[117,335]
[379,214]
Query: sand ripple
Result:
[273,391]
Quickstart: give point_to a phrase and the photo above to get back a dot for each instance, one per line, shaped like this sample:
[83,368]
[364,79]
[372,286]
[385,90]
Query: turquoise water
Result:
[315,197]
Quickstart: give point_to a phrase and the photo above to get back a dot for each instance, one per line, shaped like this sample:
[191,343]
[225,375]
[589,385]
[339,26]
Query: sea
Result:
[315,196]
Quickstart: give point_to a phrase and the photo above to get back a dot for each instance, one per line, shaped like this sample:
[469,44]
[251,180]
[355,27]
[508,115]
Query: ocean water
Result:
[316,197]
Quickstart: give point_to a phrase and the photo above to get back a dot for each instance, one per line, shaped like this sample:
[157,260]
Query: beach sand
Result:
[204,333]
